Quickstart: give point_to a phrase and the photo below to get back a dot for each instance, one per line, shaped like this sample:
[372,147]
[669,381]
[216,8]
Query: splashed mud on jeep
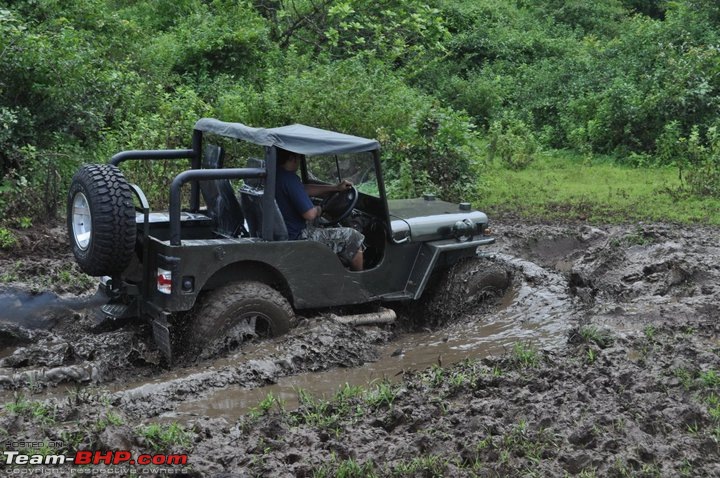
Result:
[225,270]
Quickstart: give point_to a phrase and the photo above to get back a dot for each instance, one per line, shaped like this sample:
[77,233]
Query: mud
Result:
[601,359]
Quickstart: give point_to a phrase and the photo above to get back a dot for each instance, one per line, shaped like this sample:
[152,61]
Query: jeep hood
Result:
[427,220]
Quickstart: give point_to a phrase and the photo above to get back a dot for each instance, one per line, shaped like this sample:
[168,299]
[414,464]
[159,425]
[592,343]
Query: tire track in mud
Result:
[312,347]
[541,312]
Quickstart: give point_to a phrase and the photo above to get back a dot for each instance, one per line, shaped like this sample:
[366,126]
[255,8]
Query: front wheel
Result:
[231,315]
[463,288]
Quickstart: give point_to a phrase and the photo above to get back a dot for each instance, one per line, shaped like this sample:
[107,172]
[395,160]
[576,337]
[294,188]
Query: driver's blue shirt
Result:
[292,200]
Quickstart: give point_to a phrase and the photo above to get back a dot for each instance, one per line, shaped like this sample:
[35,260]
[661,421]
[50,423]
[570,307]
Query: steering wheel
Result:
[337,206]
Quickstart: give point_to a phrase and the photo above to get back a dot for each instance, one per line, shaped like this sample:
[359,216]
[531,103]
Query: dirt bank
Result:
[605,364]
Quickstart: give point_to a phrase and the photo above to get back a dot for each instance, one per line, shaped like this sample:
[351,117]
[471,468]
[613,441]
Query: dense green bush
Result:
[58,89]
[349,96]
[371,101]
[208,39]
[81,80]
[434,153]
[401,33]
[512,141]
[698,156]
[588,75]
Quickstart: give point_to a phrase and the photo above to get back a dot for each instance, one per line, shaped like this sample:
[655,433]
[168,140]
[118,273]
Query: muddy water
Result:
[479,337]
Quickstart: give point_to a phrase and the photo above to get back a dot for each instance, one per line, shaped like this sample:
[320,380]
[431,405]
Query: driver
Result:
[299,213]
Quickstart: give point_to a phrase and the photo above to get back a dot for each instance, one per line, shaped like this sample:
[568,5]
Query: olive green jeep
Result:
[221,250]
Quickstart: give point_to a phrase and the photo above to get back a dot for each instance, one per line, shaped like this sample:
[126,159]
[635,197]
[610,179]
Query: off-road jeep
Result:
[229,262]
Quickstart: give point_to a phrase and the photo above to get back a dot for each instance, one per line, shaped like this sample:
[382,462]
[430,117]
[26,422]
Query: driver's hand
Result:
[343,185]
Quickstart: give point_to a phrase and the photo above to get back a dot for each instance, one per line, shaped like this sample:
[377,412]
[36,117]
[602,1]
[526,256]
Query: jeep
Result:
[225,263]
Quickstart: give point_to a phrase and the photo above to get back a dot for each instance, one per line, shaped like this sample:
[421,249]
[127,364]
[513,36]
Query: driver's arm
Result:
[312,213]
[322,189]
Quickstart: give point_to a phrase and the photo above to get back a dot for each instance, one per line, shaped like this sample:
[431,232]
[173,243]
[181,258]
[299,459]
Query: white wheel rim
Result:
[81,221]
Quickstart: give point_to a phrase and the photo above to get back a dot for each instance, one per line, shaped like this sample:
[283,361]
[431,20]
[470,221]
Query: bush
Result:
[348,96]
[400,33]
[208,39]
[169,126]
[437,147]
[513,142]
[7,239]
[703,162]
[353,97]
[696,155]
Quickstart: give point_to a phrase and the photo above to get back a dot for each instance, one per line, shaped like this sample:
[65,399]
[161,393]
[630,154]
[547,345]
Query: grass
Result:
[345,469]
[109,418]
[565,185]
[7,239]
[267,404]
[592,334]
[37,411]
[165,437]
[349,403]
[525,355]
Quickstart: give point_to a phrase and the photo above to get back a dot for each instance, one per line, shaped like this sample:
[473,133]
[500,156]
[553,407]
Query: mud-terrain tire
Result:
[464,287]
[228,316]
[474,280]
[101,197]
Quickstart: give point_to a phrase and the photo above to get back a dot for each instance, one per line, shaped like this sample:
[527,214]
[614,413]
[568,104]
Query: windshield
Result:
[358,168]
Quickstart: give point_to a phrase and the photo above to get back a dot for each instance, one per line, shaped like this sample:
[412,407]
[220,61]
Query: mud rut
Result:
[601,359]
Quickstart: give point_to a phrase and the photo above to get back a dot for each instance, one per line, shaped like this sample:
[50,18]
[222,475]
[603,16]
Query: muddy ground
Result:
[601,359]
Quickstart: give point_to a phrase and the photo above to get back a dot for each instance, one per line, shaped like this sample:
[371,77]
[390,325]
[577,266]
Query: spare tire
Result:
[101,219]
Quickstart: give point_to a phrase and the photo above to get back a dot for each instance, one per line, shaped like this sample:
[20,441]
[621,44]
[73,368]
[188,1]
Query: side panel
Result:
[314,275]
[309,272]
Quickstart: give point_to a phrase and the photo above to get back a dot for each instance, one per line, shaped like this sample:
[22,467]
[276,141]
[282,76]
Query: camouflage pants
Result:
[344,241]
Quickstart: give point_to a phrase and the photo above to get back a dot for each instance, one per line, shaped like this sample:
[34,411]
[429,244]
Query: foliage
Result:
[398,32]
[436,147]
[7,238]
[416,134]
[513,142]
[82,80]
[207,39]
[702,160]
[590,75]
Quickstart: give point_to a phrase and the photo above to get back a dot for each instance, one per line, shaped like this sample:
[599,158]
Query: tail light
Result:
[164,281]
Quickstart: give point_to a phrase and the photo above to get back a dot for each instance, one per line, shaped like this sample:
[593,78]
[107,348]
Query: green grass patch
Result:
[38,412]
[162,437]
[525,355]
[565,185]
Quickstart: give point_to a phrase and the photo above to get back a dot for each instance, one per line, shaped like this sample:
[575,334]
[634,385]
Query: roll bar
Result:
[196,175]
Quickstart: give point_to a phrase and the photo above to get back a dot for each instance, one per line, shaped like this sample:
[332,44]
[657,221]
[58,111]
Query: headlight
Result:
[463,230]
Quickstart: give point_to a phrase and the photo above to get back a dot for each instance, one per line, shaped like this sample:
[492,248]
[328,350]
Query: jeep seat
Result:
[219,195]
[251,195]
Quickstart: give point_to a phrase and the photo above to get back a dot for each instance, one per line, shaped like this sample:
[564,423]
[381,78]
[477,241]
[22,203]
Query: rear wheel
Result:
[234,314]
[101,219]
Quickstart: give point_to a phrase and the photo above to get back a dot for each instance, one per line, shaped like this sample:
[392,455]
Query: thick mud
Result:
[600,359]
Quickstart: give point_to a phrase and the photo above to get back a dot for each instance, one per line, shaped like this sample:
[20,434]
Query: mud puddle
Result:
[511,319]
[408,354]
